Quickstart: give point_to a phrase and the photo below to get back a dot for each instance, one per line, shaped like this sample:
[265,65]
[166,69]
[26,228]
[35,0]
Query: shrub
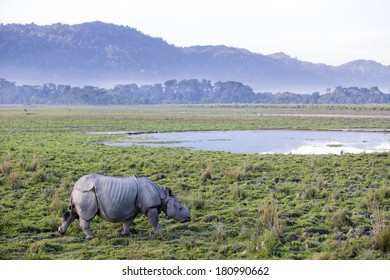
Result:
[321,183]
[340,219]
[381,232]
[219,232]
[284,188]
[57,205]
[323,256]
[309,193]
[268,219]
[206,174]
[270,241]
[373,199]
[234,174]
[34,164]
[6,167]
[38,176]
[239,192]
[14,179]
[386,191]
[383,193]
[197,201]
[22,164]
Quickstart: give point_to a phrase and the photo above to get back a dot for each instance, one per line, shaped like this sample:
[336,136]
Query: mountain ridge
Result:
[98,53]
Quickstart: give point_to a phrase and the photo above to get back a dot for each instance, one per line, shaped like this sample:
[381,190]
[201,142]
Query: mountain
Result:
[106,54]
[84,52]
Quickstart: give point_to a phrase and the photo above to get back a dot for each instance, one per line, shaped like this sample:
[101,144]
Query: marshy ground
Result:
[244,206]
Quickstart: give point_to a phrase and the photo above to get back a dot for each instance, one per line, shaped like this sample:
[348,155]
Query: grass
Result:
[381,232]
[243,206]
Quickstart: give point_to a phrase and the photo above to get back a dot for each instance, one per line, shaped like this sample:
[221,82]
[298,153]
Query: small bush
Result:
[284,189]
[323,256]
[310,193]
[5,221]
[381,233]
[386,191]
[239,192]
[340,219]
[321,183]
[197,201]
[234,174]
[270,241]
[58,205]
[374,199]
[206,174]
[14,179]
[39,176]
[369,200]
[34,164]
[5,167]
[22,164]
[268,219]
[383,193]
[219,232]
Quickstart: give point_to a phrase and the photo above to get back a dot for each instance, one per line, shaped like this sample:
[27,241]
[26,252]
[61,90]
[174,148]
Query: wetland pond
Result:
[266,141]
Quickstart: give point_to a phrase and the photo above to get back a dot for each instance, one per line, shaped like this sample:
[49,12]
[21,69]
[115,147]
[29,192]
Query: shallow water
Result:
[267,141]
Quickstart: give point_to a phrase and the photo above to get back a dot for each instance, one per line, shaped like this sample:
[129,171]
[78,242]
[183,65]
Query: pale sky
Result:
[323,31]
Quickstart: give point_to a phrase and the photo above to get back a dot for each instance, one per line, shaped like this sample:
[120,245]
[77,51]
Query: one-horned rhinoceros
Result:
[120,199]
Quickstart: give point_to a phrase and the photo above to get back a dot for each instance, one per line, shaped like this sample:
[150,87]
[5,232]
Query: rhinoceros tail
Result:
[72,209]
[67,219]
[71,213]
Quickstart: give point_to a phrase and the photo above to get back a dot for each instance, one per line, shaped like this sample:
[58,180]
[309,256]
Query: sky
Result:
[320,31]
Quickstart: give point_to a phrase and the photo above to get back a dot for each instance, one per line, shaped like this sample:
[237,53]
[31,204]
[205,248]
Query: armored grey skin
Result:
[120,199]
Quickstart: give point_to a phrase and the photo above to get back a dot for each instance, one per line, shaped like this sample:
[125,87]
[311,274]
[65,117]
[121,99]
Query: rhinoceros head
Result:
[175,210]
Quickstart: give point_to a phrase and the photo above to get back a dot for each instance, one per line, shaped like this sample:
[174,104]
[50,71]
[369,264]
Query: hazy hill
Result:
[106,54]
[82,53]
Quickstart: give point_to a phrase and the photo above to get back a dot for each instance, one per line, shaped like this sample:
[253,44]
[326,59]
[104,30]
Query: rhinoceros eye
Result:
[180,208]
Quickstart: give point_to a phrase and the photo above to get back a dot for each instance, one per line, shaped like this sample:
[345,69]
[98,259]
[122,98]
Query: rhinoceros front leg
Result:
[126,226]
[84,226]
[153,219]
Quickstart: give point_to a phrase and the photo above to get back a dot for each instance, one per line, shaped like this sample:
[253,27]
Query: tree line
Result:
[190,91]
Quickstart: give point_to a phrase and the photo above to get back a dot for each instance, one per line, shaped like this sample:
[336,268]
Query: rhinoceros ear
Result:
[169,191]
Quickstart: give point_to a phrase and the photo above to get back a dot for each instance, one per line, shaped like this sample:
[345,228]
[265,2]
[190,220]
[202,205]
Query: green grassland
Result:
[243,206]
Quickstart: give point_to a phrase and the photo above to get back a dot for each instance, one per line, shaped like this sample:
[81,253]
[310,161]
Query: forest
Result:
[192,91]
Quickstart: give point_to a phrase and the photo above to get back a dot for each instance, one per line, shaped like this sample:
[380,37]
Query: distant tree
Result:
[315,97]
[170,91]
[232,92]
[177,92]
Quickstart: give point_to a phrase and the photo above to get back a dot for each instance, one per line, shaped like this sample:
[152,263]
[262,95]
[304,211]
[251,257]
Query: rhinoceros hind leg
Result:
[84,225]
[153,219]
[86,207]
[126,226]
[67,219]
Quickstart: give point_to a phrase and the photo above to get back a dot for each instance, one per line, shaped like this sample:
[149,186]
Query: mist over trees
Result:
[190,91]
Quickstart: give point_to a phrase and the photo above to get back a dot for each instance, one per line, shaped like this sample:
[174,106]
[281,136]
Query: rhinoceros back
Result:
[116,197]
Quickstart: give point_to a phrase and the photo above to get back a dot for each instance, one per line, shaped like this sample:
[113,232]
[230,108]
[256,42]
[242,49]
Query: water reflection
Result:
[268,141]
